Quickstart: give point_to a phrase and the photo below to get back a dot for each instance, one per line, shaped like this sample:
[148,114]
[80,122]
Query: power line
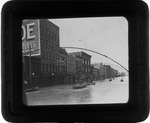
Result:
[99,54]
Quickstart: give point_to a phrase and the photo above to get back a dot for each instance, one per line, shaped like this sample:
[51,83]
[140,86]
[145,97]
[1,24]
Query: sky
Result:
[106,35]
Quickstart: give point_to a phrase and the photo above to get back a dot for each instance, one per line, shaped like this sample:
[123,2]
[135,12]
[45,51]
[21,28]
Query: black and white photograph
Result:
[74,61]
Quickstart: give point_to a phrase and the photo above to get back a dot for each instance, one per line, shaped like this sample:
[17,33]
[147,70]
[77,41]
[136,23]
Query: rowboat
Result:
[79,86]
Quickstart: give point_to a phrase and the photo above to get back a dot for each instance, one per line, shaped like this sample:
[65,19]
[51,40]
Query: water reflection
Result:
[103,92]
[80,96]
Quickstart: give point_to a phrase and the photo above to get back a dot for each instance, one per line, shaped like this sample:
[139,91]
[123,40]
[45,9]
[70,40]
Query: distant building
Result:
[63,61]
[94,73]
[96,65]
[71,68]
[102,70]
[78,68]
[108,71]
[71,65]
[86,61]
[114,72]
[105,71]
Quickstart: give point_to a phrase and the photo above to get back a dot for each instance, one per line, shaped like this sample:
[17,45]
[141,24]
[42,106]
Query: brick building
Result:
[71,65]
[51,61]
[71,68]
[85,64]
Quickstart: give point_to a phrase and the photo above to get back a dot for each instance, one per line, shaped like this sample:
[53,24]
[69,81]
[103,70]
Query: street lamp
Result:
[53,78]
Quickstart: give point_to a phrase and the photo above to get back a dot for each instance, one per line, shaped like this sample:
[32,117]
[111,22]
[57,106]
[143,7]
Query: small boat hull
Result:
[79,86]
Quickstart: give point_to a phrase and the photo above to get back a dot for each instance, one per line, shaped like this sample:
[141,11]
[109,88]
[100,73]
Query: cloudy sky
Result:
[106,35]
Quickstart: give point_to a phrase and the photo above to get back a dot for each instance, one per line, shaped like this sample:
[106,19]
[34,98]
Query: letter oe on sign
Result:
[30,37]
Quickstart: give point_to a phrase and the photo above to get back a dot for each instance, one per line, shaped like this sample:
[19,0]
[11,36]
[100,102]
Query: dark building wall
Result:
[71,65]
[108,71]
[63,61]
[31,79]
[49,39]
[51,69]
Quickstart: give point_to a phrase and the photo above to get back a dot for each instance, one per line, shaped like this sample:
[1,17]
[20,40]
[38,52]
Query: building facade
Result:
[71,65]
[52,63]
[85,62]
[71,68]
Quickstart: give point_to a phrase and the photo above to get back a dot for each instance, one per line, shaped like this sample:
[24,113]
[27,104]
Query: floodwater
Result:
[103,92]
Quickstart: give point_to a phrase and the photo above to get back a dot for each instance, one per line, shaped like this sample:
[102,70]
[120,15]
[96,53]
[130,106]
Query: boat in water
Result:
[79,86]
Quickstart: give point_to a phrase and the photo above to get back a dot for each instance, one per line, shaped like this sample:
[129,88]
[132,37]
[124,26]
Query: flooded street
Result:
[101,93]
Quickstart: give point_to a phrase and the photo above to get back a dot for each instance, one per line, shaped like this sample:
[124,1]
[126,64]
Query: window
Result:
[42,54]
[47,33]
[44,32]
[52,46]
[51,35]
[85,69]
[41,43]
[52,57]
[82,61]
[59,69]
[54,68]
[42,67]
[54,37]
[45,55]
[49,56]
[47,44]
[51,68]
[55,57]
[46,67]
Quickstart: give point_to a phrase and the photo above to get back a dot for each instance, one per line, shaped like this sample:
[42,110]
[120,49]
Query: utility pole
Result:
[30,67]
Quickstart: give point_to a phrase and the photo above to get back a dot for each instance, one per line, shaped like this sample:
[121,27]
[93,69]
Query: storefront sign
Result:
[31,37]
